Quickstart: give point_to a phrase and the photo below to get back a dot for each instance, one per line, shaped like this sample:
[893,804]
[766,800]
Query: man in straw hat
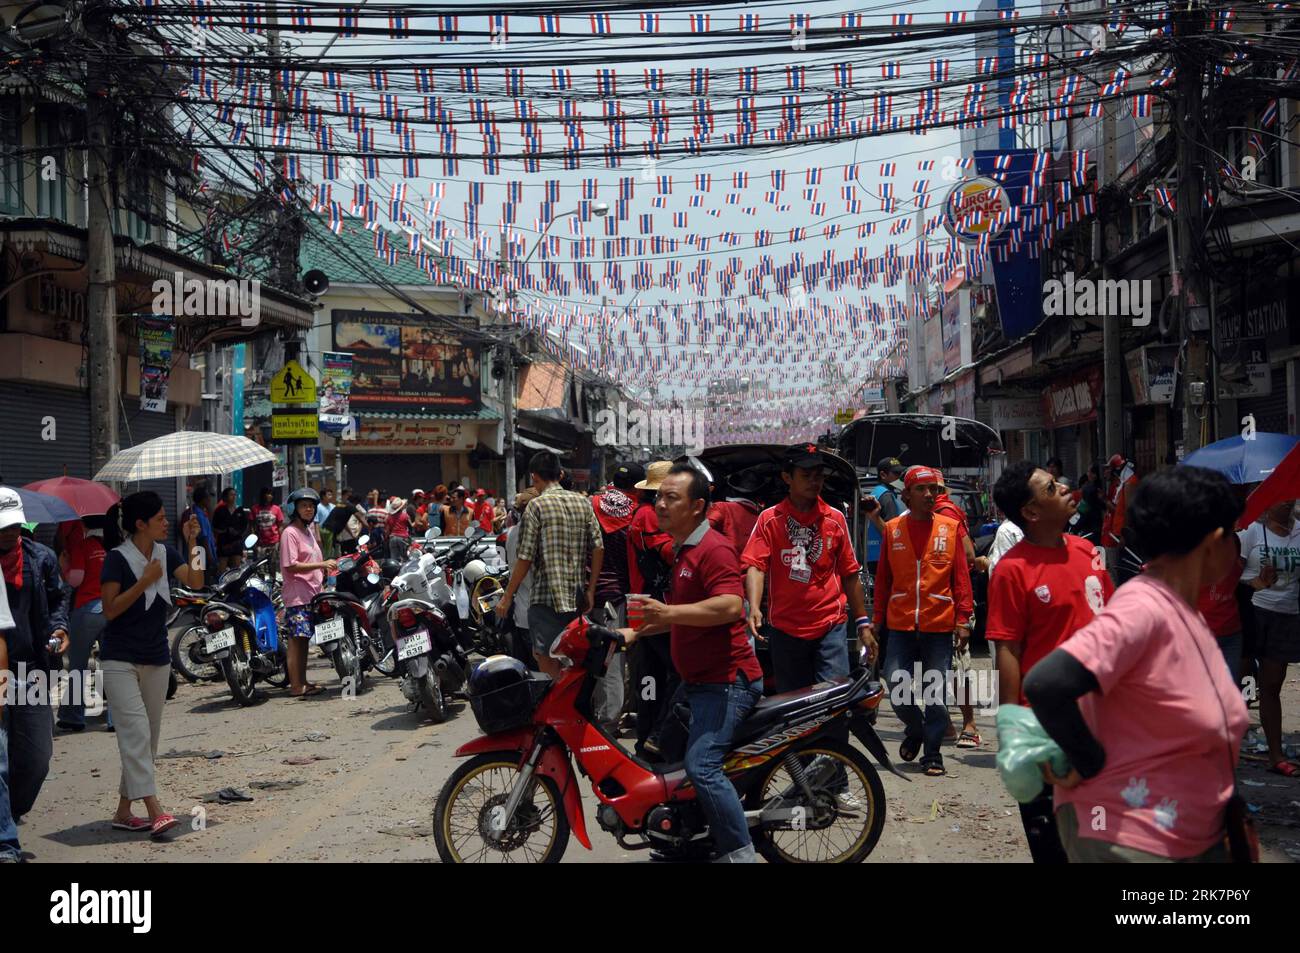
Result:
[650,559]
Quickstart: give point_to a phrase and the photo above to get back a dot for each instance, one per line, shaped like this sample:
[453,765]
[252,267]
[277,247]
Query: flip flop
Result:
[969,739]
[1286,769]
[134,826]
[162,824]
[310,692]
[908,750]
[935,770]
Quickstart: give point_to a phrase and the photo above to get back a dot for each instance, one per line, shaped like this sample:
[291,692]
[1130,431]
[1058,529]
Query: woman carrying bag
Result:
[304,569]
[134,655]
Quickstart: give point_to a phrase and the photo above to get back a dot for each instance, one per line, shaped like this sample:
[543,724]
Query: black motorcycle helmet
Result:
[390,568]
[297,496]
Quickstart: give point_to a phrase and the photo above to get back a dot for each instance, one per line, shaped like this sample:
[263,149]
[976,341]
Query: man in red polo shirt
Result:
[801,549]
[923,599]
[721,678]
[1046,587]
[735,516]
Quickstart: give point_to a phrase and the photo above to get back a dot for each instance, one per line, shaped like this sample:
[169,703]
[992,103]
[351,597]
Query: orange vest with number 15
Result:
[921,599]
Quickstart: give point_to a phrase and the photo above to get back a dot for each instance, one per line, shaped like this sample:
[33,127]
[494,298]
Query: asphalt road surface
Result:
[354,779]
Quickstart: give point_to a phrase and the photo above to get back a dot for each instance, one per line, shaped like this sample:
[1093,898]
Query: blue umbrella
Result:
[1244,460]
[43,508]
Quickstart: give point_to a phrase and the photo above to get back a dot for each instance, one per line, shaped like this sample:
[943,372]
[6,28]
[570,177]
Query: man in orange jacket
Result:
[1123,481]
[923,599]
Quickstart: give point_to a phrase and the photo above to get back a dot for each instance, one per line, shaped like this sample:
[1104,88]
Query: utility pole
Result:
[101,294]
[508,383]
[1196,387]
[1108,245]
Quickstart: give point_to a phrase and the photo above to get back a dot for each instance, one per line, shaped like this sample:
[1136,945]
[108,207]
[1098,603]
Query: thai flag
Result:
[1164,198]
[370,167]
[749,22]
[1141,105]
[1223,20]
[287,195]
[940,70]
[887,169]
[654,79]
[843,73]
[901,19]
[379,79]
[469,79]
[348,22]
[699,23]
[448,28]
[399,26]
[549,23]
[795,77]
[649,23]
[1079,167]
[699,80]
[499,27]
[800,21]
[562,79]
[1002,163]
[749,79]
[1118,82]
[986,64]
[300,16]
[600,24]
[1167,76]
[890,69]
[1269,115]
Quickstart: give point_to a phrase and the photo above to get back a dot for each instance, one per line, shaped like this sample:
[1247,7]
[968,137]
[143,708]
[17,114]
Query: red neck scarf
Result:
[12,565]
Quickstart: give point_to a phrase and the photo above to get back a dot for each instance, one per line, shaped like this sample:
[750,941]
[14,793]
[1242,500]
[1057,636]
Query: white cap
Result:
[11,508]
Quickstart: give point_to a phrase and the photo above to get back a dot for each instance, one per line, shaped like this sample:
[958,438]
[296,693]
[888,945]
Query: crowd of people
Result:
[1135,675]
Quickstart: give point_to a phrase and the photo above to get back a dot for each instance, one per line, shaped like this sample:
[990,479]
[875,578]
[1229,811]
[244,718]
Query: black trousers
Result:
[31,746]
[1039,818]
[654,682]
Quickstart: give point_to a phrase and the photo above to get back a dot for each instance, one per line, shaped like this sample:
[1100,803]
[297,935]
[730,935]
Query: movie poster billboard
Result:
[408,362]
[336,386]
[157,333]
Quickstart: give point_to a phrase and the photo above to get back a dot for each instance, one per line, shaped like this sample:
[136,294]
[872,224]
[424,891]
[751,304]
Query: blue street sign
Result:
[314,458]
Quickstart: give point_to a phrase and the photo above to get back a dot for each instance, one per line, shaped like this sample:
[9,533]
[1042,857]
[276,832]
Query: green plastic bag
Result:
[1022,746]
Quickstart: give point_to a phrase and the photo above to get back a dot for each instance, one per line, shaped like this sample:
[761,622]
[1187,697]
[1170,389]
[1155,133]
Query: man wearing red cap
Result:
[801,549]
[923,599]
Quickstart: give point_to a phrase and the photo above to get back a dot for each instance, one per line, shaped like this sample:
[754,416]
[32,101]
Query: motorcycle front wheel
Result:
[842,823]
[471,810]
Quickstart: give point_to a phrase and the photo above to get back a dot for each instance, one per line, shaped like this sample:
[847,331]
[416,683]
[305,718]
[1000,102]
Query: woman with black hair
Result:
[1140,700]
[133,652]
[230,523]
[304,569]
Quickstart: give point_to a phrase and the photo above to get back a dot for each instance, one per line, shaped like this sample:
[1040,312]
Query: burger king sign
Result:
[976,208]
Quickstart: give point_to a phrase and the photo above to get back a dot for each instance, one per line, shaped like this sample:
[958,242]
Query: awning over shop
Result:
[538,445]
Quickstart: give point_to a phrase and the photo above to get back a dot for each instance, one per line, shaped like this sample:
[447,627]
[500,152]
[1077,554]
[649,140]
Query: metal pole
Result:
[101,294]
[1112,359]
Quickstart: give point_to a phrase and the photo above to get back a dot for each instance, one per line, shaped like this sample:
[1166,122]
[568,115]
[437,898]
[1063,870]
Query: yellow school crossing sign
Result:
[292,385]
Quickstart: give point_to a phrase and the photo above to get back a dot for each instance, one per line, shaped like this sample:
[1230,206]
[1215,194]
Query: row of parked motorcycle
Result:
[417,620]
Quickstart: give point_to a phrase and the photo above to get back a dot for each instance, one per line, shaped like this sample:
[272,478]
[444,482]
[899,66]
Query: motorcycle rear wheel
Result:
[473,798]
[854,836]
[240,676]
[347,662]
[432,698]
[186,646]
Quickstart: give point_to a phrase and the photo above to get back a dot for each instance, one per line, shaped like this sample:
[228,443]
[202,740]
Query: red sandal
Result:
[161,824]
[1286,769]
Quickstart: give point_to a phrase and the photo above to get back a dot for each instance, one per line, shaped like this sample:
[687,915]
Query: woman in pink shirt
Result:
[1140,700]
[304,570]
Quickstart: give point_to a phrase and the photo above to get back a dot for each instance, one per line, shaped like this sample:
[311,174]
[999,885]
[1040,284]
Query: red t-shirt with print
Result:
[805,610]
[1039,596]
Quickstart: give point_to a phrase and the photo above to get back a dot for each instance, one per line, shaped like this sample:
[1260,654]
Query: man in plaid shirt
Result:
[559,533]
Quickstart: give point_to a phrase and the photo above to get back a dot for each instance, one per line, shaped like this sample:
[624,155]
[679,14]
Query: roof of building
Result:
[349,257]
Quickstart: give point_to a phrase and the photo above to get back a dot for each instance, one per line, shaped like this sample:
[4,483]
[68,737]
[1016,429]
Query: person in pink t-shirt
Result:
[304,570]
[1139,699]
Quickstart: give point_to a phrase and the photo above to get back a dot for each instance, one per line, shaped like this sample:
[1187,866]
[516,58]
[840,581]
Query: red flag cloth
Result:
[1282,484]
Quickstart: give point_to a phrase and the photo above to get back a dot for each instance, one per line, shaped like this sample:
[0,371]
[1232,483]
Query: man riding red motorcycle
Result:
[772,774]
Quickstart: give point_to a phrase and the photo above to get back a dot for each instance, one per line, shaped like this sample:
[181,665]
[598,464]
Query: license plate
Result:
[219,641]
[327,632]
[417,643]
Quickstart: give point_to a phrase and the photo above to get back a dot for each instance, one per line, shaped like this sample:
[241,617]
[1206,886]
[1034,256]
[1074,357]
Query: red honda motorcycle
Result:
[809,797]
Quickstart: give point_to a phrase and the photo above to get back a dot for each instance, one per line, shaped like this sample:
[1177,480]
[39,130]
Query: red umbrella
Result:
[1282,484]
[87,498]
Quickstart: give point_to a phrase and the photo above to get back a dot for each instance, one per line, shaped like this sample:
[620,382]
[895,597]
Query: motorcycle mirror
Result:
[471,529]
[363,541]
[433,533]
[373,578]
[250,541]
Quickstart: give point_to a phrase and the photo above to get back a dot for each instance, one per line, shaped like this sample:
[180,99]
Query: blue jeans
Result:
[716,712]
[87,625]
[798,663]
[932,651]
[8,829]
[1231,647]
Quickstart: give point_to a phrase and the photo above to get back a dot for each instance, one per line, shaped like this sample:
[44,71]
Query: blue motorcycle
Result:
[242,633]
